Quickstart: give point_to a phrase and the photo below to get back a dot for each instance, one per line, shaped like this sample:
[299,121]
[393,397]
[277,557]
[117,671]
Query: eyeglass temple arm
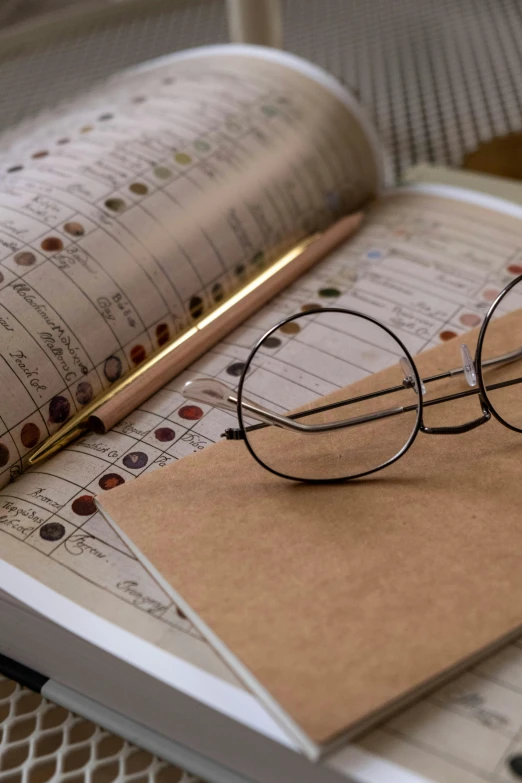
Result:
[213,392]
[234,434]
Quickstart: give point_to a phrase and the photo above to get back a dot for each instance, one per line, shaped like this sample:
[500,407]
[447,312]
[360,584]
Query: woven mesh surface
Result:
[438,77]
[43,743]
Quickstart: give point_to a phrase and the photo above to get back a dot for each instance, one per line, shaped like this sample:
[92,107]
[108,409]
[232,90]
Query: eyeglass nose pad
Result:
[410,381]
[468,365]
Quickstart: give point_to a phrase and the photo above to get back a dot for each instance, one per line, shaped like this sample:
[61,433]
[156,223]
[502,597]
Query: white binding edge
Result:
[469,196]
[356,763]
[166,667]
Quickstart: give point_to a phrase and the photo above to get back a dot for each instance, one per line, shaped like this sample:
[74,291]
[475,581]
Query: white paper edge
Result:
[466,195]
[282,718]
[367,767]
[362,766]
[123,645]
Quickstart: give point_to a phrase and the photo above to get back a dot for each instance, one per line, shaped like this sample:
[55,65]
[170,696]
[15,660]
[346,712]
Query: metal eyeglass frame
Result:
[216,393]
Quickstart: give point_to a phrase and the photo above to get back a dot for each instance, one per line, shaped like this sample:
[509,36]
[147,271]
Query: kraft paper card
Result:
[339,603]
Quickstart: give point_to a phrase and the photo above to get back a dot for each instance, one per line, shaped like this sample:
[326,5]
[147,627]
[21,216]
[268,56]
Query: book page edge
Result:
[165,667]
[466,195]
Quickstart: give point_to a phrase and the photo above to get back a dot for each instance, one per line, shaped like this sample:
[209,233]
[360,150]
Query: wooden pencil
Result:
[129,393]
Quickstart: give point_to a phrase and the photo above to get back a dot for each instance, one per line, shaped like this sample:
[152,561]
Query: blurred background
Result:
[442,79]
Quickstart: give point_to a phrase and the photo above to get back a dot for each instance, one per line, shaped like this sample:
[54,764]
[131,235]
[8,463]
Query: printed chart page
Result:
[141,207]
[428,267]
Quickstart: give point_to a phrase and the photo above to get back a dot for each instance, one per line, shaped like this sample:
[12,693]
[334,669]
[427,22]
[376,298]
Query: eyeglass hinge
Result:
[233,434]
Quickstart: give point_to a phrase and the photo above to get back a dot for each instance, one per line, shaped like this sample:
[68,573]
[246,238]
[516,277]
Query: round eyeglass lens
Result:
[501,358]
[330,357]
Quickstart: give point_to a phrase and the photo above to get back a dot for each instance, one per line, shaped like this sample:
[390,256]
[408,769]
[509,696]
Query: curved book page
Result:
[147,203]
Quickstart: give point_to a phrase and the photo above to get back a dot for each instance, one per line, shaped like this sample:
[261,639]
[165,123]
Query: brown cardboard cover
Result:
[342,599]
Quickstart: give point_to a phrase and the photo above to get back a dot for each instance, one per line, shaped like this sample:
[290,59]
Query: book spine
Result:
[24,676]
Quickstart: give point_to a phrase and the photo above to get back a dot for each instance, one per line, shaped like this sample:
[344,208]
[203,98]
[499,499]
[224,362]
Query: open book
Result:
[124,218]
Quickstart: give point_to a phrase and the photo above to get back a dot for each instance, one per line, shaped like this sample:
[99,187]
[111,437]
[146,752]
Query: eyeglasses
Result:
[304,362]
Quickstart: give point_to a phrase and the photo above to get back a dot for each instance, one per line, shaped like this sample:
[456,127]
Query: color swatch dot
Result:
[138,354]
[4,455]
[52,531]
[63,141]
[271,342]
[86,129]
[196,307]
[52,244]
[111,480]
[310,306]
[515,269]
[329,293]
[115,204]
[59,409]
[235,369]
[84,506]
[333,202]
[135,460]
[30,435]
[162,334]
[75,229]
[40,154]
[292,327]
[239,270]
[84,392]
[470,319]
[258,259]
[182,158]
[139,188]
[201,146]
[2,278]
[490,294]
[217,292]
[14,169]
[25,258]
[105,117]
[164,434]
[190,412]
[112,368]
[162,172]
[515,765]
[139,99]
[446,335]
